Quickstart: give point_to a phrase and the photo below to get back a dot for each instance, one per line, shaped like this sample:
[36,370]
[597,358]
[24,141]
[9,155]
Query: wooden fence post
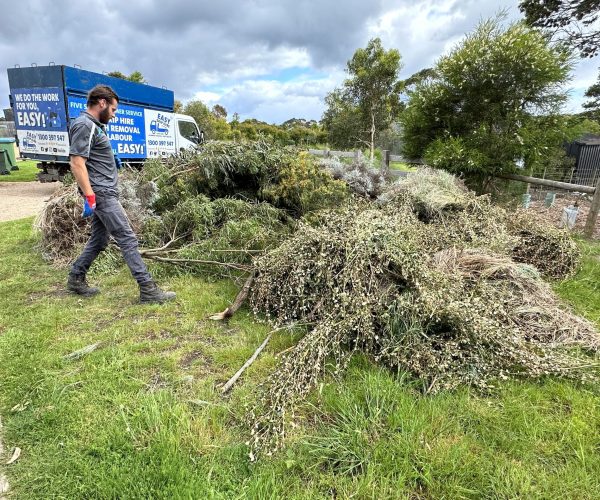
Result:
[590,223]
[385,161]
[356,155]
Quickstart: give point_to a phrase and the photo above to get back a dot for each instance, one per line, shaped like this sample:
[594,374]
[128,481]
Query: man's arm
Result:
[80,173]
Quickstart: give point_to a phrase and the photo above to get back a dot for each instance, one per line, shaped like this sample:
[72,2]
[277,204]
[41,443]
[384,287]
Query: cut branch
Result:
[229,384]
[181,172]
[237,303]
[147,251]
[237,267]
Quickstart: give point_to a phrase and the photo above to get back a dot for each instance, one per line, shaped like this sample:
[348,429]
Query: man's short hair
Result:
[101,92]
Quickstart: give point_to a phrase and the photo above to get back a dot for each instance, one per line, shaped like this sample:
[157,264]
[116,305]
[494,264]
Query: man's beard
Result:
[104,116]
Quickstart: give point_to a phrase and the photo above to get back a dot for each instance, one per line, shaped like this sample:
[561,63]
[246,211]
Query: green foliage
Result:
[213,124]
[453,155]
[574,21]
[136,76]
[229,200]
[369,99]
[292,132]
[481,102]
[342,122]
[222,230]
[214,127]
[418,78]
[592,105]
[190,217]
[259,170]
[219,111]
[302,186]
[180,205]
[219,169]
[390,139]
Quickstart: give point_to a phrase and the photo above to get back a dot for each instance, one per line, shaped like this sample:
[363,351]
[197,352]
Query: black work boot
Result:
[151,294]
[78,285]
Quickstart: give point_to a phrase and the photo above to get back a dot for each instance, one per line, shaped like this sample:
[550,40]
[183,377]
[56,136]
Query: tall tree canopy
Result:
[369,99]
[592,105]
[136,76]
[472,113]
[574,20]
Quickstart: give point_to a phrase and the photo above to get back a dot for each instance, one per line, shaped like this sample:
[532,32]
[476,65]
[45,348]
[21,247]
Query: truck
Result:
[45,99]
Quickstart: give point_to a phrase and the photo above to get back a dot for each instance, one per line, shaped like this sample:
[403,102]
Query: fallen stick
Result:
[251,360]
[237,303]
[237,267]
[82,352]
[281,353]
[238,374]
[15,456]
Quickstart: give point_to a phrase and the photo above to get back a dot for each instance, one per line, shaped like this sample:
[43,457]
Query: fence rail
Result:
[567,186]
[592,217]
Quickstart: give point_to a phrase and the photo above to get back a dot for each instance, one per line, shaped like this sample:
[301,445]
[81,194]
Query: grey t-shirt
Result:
[88,138]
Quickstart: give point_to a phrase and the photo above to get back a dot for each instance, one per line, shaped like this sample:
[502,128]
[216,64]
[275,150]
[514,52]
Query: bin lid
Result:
[6,139]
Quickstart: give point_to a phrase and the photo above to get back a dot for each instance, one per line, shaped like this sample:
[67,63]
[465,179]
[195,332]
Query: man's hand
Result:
[89,205]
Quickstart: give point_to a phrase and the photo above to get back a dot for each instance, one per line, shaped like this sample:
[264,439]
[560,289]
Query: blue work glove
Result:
[118,161]
[89,205]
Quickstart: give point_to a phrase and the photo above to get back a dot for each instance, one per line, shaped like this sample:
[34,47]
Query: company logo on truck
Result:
[29,141]
[161,125]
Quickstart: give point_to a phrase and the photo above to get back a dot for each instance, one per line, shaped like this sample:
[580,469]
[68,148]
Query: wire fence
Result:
[582,167]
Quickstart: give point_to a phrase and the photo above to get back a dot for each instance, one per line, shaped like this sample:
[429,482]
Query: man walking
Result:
[94,167]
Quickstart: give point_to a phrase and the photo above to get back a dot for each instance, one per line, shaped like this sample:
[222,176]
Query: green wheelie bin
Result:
[8,161]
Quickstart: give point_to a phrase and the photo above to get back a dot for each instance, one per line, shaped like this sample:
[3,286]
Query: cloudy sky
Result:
[265,59]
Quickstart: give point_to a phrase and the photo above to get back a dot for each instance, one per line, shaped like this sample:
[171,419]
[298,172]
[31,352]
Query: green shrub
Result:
[302,186]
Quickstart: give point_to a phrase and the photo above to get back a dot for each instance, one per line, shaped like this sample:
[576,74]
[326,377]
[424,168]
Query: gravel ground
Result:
[554,214]
[24,199]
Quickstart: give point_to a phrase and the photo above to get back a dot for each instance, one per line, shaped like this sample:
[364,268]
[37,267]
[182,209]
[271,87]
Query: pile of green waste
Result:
[421,275]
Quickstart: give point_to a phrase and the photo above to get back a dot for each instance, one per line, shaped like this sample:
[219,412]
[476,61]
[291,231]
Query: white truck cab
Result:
[169,133]
[187,134]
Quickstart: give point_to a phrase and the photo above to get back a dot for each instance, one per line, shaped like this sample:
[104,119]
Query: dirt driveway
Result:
[24,199]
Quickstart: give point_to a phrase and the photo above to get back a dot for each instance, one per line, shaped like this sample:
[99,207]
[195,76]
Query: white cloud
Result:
[586,74]
[208,98]
[274,101]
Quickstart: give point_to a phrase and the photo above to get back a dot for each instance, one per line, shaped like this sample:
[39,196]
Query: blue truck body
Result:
[45,99]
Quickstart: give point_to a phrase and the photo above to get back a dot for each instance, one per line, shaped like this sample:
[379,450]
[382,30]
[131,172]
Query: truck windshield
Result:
[189,130]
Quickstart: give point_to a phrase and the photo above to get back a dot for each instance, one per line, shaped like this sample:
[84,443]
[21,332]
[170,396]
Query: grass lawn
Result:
[404,167]
[27,172]
[142,416]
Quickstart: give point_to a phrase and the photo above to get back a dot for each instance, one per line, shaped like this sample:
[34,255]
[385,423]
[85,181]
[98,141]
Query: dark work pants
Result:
[109,219]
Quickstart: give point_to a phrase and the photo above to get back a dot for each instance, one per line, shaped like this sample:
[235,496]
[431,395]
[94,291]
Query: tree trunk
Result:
[372,135]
